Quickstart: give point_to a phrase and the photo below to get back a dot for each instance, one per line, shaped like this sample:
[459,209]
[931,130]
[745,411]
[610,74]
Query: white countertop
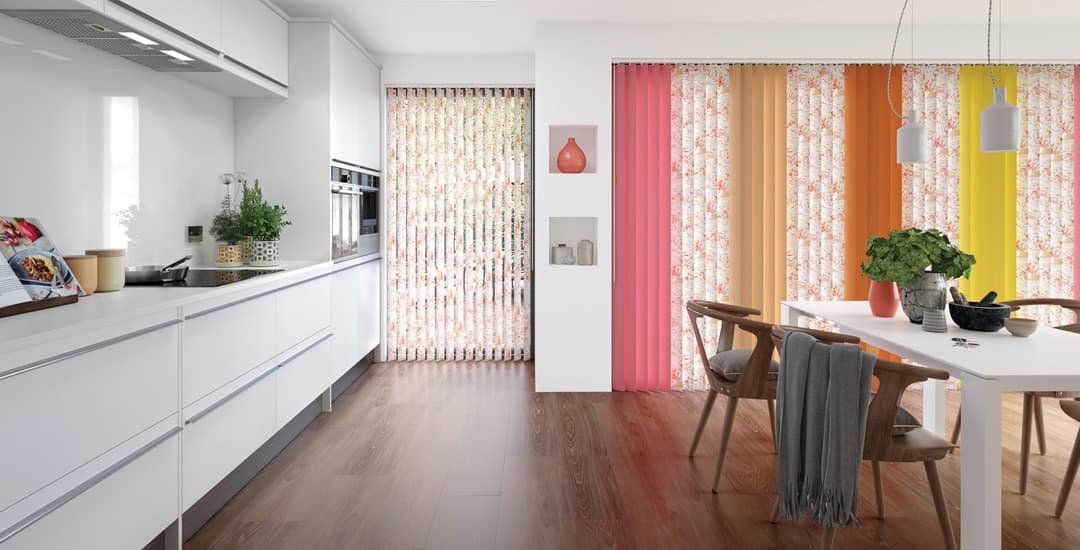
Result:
[92,312]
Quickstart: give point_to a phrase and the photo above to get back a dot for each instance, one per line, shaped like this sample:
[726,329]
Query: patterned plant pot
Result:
[245,249]
[927,291]
[228,255]
[264,253]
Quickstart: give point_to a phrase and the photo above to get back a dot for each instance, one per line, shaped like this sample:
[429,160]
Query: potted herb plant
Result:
[920,262]
[263,222]
[226,228]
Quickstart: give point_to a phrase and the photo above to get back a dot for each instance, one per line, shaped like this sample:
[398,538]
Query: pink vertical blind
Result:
[1076,182]
[641,357]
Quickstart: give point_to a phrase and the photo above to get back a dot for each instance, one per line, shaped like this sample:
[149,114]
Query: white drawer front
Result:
[302,379]
[125,510]
[219,440]
[225,343]
[63,414]
[302,311]
[370,308]
[356,315]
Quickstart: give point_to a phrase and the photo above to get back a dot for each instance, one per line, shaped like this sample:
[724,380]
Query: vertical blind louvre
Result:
[459,233]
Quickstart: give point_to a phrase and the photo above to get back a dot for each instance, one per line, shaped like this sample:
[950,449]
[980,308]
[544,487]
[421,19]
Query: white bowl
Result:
[1018,326]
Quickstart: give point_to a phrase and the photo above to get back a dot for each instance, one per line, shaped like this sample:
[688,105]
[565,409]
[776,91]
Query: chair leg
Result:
[1040,431]
[1025,441]
[955,431]
[939,504]
[775,511]
[879,490]
[772,423]
[827,538]
[1066,484]
[729,421]
[709,400]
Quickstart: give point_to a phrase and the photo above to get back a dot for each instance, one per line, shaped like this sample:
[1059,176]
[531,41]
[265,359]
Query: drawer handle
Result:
[84,350]
[217,404]
[83,487]
[228,305]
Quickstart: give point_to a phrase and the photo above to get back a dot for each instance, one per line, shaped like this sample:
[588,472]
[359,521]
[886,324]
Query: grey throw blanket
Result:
[822,399]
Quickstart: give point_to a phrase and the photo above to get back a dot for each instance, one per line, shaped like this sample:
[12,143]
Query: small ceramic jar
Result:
[111,265]
[85,269]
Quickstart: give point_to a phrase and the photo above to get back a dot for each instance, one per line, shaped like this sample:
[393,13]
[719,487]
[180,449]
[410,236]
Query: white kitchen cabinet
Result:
[126,509]
[301,379]
[223,343]
[255,35]
[303,310]
[219,438]
[355,89]
[356,315]
[62,412]
[199,19]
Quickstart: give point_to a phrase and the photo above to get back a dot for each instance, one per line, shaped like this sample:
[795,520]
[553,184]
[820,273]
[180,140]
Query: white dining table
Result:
[1047,360]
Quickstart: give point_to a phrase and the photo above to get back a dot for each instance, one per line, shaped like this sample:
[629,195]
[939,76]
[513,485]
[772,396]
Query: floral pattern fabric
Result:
[699,209]
[1044,188]
[458,230]
[815,197]
[931,191]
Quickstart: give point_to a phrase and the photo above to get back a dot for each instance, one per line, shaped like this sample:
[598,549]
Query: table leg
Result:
[787,316]
[980,465]
[934,406]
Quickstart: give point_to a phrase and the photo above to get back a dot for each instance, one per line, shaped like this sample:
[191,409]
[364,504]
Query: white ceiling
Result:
[509,26]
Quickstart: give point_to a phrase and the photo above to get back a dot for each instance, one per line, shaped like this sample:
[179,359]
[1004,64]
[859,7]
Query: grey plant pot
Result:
[264,254]
[927,291]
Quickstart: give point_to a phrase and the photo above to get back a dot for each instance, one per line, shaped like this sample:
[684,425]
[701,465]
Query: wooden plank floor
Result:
[460,455]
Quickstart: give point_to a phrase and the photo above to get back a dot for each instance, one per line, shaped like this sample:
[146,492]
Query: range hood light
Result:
[177,55]
[138,38]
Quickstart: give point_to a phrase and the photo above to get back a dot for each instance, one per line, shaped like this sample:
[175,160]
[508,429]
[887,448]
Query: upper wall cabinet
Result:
[255,35]
[199,19]
[354,104]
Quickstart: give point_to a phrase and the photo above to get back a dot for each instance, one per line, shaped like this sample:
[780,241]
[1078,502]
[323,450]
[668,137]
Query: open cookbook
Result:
[33,268]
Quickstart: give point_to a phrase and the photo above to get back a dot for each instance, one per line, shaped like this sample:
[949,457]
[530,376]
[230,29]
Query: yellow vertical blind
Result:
[987,189]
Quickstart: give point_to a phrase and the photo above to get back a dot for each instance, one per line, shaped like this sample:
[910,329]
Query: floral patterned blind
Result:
[458,188]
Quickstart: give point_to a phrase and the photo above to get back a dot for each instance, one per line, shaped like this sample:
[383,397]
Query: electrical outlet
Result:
[194,234]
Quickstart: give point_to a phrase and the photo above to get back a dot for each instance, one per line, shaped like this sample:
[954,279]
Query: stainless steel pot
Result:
[156,274]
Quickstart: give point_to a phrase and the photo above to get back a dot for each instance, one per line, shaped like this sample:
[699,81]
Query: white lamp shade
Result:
[911,142]
[999,130]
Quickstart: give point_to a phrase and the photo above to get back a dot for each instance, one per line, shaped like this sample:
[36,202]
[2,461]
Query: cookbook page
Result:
[31,255]
[11,290]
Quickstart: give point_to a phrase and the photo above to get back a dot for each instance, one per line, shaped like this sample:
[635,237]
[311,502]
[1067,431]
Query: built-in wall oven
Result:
[354,194]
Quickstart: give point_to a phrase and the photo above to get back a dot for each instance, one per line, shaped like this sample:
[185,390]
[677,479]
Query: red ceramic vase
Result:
[571,158]
[884,299]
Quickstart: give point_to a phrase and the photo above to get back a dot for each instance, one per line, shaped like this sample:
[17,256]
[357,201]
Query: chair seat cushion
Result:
[731,364]
[904,421]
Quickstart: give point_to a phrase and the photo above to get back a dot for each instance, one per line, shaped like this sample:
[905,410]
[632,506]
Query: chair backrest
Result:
[754,381]
[893,380]
[1065,303]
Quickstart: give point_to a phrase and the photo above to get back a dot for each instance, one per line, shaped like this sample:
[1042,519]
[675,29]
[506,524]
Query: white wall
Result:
[457,70]
[52,146]
[573,86]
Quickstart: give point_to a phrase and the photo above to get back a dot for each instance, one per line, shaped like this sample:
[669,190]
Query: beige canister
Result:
[111,265]
[85,269]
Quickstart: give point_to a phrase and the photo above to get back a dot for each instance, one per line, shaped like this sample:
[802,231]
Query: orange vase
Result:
[571,158]
[884,299]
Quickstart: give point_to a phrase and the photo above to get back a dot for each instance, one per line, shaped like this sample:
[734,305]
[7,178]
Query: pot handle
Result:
[176,263]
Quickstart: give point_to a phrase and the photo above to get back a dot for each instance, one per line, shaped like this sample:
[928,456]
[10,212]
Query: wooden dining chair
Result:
[1032,405]
[736,373]
[1071,408]
[882,444]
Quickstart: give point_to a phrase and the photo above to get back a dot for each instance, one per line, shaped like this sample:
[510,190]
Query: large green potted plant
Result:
[920,262]
[227,229]
[264,223]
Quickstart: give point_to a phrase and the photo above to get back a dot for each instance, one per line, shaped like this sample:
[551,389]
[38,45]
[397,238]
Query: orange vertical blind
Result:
[872,179]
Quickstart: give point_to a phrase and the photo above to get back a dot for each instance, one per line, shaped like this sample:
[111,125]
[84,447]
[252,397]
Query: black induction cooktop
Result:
[221,277]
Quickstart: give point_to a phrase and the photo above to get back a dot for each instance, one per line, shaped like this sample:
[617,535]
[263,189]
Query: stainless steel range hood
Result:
[108,35]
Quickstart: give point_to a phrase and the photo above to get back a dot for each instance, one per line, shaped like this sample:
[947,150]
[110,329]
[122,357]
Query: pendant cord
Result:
[892,58]
[989,29]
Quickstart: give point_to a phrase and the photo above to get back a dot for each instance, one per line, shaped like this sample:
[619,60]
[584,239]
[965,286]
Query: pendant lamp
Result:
[911,143]
[999,124]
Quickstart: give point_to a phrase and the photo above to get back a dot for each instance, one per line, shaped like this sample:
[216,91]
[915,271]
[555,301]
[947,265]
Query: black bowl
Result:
[981,318]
